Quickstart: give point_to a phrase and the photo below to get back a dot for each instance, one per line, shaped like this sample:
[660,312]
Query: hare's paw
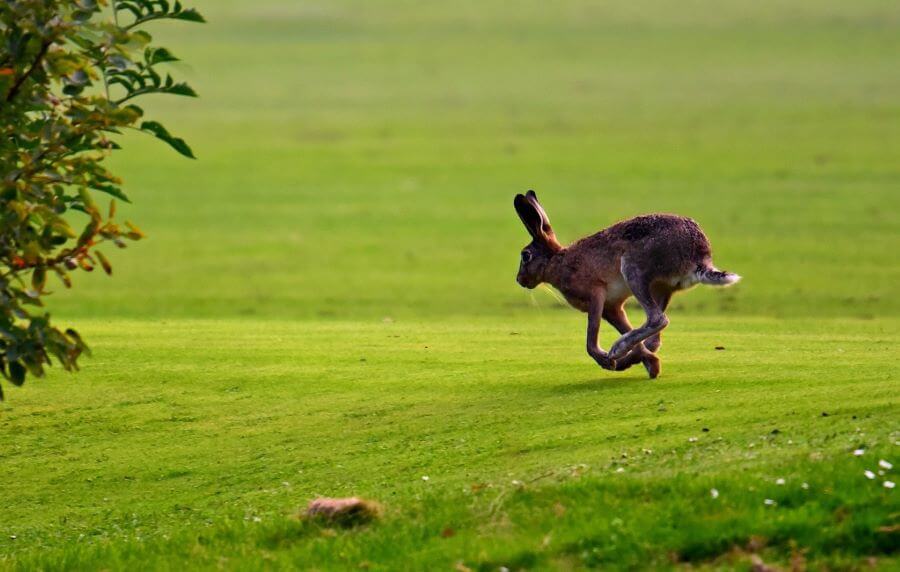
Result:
[606,363]
[652,365]
[635,356]
[601,357]
[619,349]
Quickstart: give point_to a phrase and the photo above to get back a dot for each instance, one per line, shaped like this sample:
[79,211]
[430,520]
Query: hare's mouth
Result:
[525,283]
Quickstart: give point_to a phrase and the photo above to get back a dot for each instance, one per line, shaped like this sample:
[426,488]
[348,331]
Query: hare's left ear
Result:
[535,219]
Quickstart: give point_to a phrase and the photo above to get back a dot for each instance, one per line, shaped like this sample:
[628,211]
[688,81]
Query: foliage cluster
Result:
[70,72]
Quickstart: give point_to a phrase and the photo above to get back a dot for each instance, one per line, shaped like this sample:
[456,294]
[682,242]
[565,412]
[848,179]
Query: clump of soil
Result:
[346,512]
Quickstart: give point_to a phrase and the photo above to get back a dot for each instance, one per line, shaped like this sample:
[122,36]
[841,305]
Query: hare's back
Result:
[670,243]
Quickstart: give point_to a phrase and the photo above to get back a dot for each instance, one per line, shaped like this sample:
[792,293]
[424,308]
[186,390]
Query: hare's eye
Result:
[526,256]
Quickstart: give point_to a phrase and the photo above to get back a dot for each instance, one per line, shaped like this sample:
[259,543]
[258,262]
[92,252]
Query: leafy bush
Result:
[70,71]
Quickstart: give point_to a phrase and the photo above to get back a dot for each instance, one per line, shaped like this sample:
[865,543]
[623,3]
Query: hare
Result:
[649,257]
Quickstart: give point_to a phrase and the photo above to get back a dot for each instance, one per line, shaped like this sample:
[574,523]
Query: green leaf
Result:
[39,278]
[107,267]
[155,56]
[161,133]
[189,15]
[178,88]
[112,191]
[74,83]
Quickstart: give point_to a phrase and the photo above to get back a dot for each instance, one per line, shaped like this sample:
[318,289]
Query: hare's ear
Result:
[546,229]
[531,218]
[535,219]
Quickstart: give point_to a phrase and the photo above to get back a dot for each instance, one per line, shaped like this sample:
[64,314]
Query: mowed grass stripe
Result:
[220,414]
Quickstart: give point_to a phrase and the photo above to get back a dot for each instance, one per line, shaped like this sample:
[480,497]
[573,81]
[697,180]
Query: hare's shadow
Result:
[596,384]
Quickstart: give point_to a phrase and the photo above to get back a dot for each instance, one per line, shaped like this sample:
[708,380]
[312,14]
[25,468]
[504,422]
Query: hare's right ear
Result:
[535,219]
[529,215]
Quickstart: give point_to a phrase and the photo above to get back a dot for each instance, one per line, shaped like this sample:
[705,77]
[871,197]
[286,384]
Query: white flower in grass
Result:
[517,483]
[769,502]
[885,465]
[889,484]
[620,470]
[425,478]
[257,519]
[869,474]
[692,440]
[859,452]
[805,486]
[714,493]
[779,481]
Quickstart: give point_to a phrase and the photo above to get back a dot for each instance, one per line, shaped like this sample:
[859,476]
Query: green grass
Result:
[327,306]
[152,461]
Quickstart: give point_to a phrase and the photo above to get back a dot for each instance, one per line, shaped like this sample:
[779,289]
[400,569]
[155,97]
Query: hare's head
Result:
[543,245]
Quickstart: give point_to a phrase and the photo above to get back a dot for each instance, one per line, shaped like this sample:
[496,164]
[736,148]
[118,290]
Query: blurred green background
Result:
[358,160]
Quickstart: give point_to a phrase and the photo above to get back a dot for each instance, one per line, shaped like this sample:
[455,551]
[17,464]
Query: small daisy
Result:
[869,474]
[859,452]
[889,484]
[425,478]
[769,502]
[779,481]
[885,465]
[692,440]
[620,470]
[805,486]
[714,493]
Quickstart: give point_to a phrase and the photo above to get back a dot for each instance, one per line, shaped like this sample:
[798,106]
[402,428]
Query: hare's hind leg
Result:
[616,316]
[662,297]
[639,283]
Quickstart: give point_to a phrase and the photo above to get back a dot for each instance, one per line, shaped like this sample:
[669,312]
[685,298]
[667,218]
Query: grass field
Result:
[326,304]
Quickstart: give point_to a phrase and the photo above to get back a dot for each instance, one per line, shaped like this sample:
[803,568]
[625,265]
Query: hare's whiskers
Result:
[554,294]
[535,302]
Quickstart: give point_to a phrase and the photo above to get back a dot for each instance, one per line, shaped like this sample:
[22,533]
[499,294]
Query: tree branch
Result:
[45,45]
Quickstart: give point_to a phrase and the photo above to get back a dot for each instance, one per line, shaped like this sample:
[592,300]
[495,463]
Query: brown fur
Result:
[649,257]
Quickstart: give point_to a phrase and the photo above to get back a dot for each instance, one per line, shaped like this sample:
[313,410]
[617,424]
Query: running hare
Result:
[650,257]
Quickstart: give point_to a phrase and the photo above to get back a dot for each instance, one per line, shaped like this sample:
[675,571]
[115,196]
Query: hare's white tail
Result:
[715,277]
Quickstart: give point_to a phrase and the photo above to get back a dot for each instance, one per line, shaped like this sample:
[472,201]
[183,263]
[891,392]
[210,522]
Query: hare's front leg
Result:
[595,312]
[616,316]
